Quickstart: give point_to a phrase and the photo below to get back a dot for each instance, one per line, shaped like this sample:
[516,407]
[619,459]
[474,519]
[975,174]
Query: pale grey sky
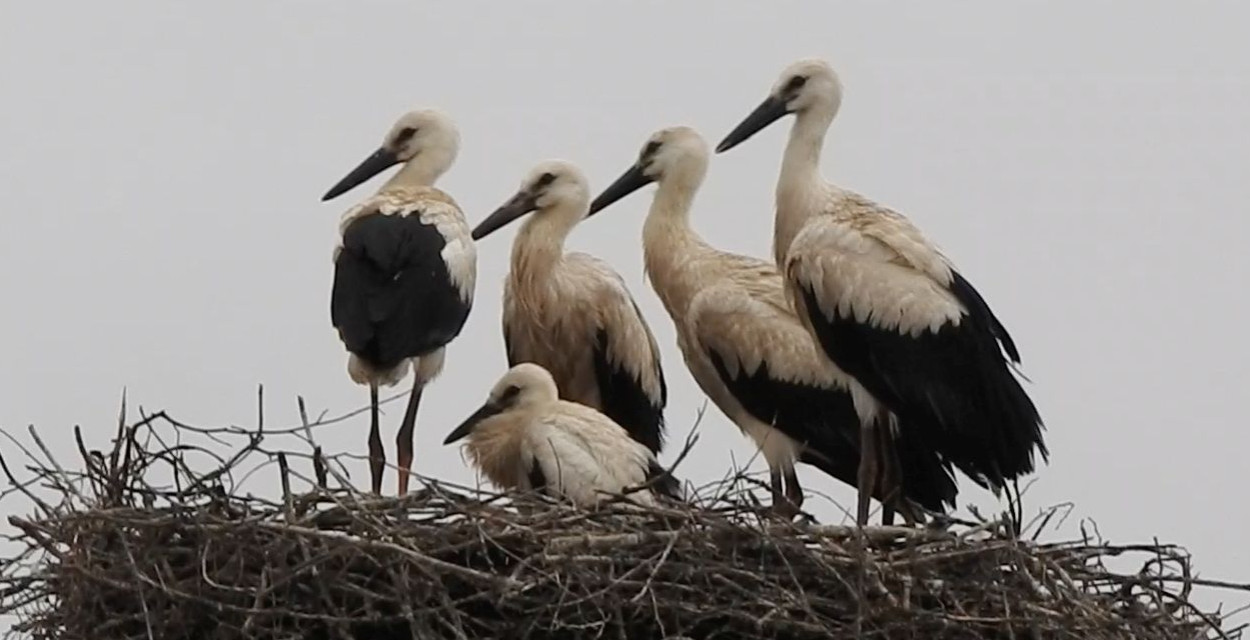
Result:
[1083,163]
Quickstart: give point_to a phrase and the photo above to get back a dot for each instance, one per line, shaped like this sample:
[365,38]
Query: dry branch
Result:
[150,541]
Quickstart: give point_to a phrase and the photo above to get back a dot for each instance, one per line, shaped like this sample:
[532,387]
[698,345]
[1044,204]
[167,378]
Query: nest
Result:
[111,553]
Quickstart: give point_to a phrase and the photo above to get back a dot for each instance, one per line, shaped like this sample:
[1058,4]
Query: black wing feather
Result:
[393,297]
[626,402]
[952,388]
[513,360]
[825,421]
[538,480]
[981,313]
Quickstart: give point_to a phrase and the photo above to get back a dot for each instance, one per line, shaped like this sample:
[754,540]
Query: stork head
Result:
[809,85]
[676,154]
[426,135]
[525,386]
[552,185]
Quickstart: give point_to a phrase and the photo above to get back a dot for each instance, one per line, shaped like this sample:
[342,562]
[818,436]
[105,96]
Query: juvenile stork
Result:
[403,272]
[571,313]
[524,437]
[888,307]
[746,348]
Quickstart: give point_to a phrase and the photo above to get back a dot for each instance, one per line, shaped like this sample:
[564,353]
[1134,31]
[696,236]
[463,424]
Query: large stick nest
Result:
[110,552]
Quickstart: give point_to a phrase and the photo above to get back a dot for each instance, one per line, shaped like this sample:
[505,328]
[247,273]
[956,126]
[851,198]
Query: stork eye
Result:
[650,150]
[510,394]
[795,83]
[405,134]
[544,180]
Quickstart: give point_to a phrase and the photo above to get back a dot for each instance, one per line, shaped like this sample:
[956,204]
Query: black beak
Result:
[376,163]
[769,111]
[485,411]
[520,204]
[629,182]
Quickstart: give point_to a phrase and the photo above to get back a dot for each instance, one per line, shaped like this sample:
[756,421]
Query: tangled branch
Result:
[156,539]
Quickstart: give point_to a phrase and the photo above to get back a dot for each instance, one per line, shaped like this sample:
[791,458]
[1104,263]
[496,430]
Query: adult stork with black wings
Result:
[749,352]
[888,307]
[404,272]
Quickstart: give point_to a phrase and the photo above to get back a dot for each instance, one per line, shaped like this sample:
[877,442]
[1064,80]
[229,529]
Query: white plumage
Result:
[571,313]
[888,307]
[865,267]
[742,341]
[404,272]
[524,437]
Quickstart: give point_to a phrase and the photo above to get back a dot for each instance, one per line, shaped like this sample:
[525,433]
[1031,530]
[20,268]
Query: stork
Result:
[526,438]
[571,313]
[404,273]
[744,345]
[888,307]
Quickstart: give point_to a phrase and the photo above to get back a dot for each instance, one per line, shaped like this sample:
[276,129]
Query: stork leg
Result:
[377,457]
[911,517]
[403,441]
[794,491]
[887,514]
[782,507]
[891,484]
[867,471]
[888,481]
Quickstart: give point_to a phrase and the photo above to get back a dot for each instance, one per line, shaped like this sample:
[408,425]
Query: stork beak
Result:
[769,111]
[629,182]
[520,204]
[485,411]
[376,163]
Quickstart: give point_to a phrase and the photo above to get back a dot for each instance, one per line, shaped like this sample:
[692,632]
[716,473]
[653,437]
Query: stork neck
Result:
[539,246]
[670,211]
[669,242]
[800,165]
[421,171]
[800,183]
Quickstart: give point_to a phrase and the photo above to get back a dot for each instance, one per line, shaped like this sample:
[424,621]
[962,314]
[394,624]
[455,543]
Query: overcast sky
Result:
[1085,166]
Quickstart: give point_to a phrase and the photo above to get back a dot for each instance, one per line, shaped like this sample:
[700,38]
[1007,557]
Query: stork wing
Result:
[583,454]
[929,352]
[859,273]
[626,358]
[881,232]
[393,296]
[771,365]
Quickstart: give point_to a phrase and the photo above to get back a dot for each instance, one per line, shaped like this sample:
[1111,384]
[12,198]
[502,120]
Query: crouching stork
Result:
[525,438]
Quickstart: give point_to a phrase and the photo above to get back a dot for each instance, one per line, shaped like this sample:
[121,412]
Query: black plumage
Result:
[625,401]
[538,480]
[825,421]
[953,388]
[393,297]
